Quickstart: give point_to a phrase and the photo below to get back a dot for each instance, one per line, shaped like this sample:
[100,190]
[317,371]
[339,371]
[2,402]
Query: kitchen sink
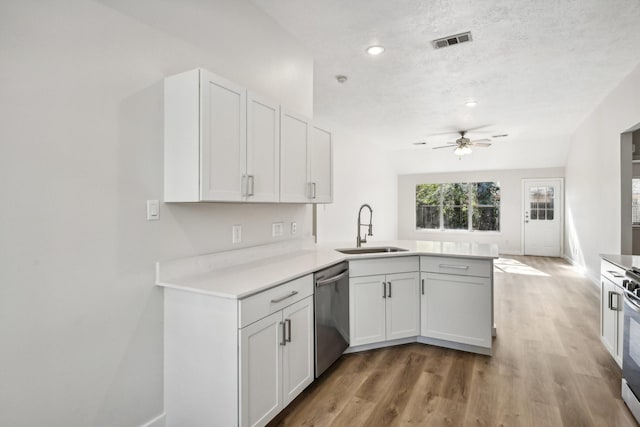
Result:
[371,250]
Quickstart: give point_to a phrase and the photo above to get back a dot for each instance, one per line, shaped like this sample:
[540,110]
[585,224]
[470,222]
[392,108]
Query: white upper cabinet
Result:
[221,143]
[320,166]
[262,178]
[223,130]
[294,141]
[226,144]
[306,161]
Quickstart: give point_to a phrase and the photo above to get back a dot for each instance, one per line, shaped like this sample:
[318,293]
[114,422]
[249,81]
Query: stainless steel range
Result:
[631,343]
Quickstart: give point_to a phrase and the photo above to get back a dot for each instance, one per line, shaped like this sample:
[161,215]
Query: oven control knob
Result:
[636,291]
[628,285]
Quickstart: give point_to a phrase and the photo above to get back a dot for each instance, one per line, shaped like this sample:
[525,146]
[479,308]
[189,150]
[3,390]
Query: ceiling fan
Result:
[463,144]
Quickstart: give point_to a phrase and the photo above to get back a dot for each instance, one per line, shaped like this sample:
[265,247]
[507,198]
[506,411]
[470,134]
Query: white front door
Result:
[542,221]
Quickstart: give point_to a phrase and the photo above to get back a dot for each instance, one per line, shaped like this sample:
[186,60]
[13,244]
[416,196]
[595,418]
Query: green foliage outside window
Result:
[458,206]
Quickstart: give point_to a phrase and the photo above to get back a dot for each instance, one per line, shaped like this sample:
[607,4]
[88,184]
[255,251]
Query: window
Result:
[635,201]
[458,206]
[541,204]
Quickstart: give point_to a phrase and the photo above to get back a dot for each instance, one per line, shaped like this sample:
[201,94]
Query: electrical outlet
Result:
[277,229]
[236,234]
[294,228]
[153,210]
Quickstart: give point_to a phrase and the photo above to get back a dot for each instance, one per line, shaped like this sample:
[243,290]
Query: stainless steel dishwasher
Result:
[331,298]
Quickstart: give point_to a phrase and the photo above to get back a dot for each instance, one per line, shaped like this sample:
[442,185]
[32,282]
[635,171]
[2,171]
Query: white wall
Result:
[593,176]
[508,238]
[361,175]
[80,152]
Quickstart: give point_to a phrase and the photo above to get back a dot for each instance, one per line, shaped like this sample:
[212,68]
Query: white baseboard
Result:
[593,279]
[159,421]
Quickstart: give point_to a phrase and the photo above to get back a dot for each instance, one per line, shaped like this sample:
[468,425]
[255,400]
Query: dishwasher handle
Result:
[331,280]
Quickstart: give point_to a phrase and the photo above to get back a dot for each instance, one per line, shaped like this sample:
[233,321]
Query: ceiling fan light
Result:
[375,50]
[466,150]
[459,151]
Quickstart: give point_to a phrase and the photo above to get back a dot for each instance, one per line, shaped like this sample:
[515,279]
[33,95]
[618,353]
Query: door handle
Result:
[288,323]
[250,184]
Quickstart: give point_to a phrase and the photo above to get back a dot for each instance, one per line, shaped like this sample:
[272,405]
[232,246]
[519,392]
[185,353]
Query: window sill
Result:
[484,233]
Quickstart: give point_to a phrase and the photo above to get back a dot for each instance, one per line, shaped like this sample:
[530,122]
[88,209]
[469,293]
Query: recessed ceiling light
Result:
[471,103]
[375,50]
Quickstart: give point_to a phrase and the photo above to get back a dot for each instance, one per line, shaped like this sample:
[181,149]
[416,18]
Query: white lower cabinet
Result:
[237,362]
[457,308]
[611,312]
[383,307]
[276,362]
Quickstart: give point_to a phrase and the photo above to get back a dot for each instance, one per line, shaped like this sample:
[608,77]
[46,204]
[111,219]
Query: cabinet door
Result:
[320,166]
[403,306]
[297,354]
[609,304]
[261,370]
[367,297]
[223,122]
[262,180]
[458,309]
[294,139]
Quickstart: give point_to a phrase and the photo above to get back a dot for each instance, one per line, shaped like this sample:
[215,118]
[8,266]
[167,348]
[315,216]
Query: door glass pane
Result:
[534,214]
[549,214]
[541,214]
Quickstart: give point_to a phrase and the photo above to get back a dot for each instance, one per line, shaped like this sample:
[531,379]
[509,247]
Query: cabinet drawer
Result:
[374,266]
[261,305]
[459,266]
[612,272]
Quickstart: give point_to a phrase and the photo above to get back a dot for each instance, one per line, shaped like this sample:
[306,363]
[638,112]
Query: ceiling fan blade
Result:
[476,128]
[482,144]
[479,140]
[453,132]
[443,146]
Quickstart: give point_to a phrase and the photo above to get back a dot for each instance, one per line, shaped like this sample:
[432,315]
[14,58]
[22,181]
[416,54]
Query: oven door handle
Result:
[331,280]
[631,304]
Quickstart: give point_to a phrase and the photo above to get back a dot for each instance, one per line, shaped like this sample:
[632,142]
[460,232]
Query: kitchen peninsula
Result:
[239,325]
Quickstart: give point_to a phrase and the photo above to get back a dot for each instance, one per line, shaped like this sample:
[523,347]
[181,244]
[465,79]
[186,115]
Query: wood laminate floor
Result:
[549,367]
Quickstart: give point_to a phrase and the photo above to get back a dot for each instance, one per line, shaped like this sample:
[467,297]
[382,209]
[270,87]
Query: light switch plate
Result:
[277,228]
[236,234]
[153,210]
[294,228]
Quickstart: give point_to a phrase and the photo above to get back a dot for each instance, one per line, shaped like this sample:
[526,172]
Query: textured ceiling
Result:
[536,69]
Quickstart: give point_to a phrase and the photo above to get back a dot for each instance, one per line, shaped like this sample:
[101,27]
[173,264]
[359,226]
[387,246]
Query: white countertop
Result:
[622,261]
[240,280]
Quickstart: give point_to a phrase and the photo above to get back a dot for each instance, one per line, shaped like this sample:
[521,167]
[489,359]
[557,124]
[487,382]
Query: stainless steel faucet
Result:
[361,240]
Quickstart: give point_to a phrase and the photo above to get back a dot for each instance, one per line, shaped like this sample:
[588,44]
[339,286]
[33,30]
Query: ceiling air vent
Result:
[451,40]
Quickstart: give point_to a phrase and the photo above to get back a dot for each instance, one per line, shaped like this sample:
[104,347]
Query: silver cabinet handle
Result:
[615,274]
[288,323]
[273,301]
[284,339]
[389,289]
[384,289]
[313,186]
[243,185]
[457,267]
[251,182]
[611,306]
[422,286]
[610,303]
